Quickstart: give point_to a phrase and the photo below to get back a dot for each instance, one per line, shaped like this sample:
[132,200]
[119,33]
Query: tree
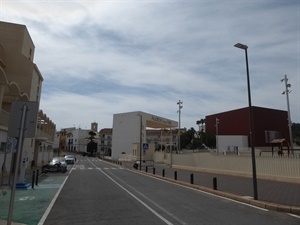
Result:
[187,138]
[190,140]
[202,122]
[92,146]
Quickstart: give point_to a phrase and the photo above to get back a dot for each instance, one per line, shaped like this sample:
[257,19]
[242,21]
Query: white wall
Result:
[126,132]
[273,168]
[226,141]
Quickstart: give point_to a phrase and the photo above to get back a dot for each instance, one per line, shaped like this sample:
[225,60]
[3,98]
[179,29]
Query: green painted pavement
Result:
[31,204]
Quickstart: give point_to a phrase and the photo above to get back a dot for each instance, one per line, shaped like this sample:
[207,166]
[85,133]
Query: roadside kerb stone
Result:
[258,203]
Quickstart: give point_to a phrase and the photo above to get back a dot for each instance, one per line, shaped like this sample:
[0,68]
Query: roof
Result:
[280,141]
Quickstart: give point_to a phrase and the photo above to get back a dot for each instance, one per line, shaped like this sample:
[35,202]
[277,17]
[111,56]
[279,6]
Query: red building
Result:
[268,124]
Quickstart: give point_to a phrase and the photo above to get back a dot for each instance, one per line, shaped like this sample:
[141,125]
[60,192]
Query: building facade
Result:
[268,124]
[21,80]
[105,141]
[129,134]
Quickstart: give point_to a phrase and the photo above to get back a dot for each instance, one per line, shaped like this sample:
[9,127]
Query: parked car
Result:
[57,164]
[70,159]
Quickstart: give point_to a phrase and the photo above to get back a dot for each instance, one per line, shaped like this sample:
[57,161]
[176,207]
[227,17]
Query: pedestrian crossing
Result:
[83,167]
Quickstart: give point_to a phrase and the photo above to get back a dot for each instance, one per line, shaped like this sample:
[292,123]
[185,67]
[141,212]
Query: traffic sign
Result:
[15,118]
[145,146]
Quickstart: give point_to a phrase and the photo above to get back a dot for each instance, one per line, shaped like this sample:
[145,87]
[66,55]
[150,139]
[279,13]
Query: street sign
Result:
[15,118]
[145,146]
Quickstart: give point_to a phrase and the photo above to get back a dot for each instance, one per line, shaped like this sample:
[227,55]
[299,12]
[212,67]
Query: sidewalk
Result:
[32,203]
[273,195]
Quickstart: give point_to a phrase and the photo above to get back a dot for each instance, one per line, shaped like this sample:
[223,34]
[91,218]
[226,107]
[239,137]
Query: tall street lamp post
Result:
[217,136]
[286,92]
[245,47]
[179,103]
[141,140]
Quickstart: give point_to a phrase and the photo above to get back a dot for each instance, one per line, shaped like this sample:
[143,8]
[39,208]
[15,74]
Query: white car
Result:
[70,159]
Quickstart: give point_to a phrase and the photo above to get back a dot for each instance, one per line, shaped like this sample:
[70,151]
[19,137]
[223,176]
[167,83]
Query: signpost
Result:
[22,124]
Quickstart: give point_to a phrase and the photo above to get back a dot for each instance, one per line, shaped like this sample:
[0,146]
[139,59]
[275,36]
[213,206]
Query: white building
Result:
[129,133]
[77,140]
[105,141]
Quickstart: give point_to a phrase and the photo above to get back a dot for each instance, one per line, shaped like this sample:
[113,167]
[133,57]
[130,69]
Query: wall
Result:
[236,122]
[273,168]
[126,131]
[230,141]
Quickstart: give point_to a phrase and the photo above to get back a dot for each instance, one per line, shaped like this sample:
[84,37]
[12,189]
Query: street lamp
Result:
[287,91]
[245,47]
[141,144]
[179,113]
[217,132]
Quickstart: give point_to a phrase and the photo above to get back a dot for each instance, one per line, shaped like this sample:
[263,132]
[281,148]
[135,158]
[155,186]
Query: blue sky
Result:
[99,58]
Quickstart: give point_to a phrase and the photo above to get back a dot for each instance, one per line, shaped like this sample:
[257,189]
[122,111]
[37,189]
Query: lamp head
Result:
[241,46]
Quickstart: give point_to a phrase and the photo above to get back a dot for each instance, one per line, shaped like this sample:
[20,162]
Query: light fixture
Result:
[255,193]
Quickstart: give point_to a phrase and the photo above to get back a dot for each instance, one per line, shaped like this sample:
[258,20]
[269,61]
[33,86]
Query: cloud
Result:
[104,57]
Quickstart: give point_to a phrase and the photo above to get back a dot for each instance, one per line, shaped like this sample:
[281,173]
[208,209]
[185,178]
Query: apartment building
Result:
[74,139]
[105,141]
[21,80]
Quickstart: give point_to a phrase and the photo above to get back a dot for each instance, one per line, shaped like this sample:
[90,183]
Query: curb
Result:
[257,203]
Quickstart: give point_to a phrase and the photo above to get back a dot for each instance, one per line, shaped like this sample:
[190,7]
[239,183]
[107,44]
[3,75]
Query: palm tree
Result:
[201,121]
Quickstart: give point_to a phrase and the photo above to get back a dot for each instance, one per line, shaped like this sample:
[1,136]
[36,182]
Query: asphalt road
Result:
[97,192]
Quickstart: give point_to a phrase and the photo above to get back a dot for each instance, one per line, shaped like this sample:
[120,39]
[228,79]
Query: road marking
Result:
[97,168]
[208,193]
[26,198]
[136,198]
[294,215]
[44,217]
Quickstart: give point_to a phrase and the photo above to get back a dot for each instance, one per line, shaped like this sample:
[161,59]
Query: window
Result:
[2,146]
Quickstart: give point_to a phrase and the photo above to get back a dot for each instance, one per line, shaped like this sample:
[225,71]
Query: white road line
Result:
[294,215]
[208,193]
[44,217]
[136,198]
[139,200]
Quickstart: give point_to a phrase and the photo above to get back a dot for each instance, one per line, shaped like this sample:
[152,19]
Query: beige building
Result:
[21,80]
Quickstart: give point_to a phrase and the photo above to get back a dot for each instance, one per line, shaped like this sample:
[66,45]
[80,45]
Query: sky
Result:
[100,58]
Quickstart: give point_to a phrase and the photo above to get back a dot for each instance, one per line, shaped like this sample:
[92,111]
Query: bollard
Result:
[153,170]
[192,178]
[37,178]
[32,182]
[163,172]
[215,183]
[146,168]
[175,175]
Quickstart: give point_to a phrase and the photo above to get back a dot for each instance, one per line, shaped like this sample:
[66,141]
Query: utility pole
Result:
[179,103]
[286,92]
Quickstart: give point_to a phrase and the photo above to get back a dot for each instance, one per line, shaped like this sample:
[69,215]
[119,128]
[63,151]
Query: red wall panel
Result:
[236,122]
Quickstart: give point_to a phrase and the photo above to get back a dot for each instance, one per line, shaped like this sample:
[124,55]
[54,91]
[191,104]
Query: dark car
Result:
[57,164]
